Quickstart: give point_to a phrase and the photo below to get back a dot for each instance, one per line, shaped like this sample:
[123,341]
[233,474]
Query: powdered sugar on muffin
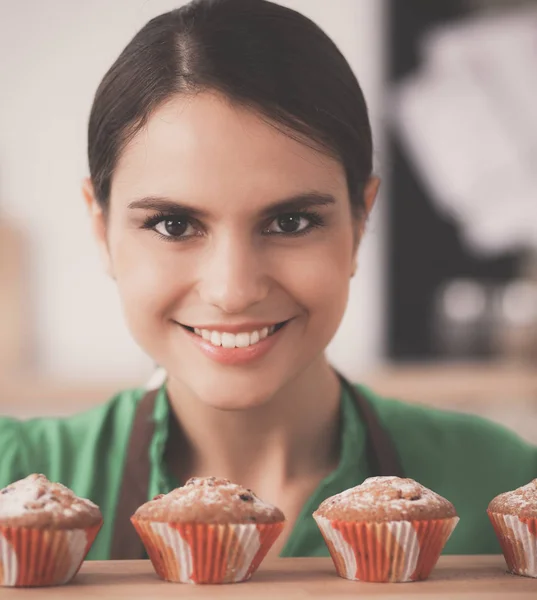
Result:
[521,502]
[209,500]
[38,503]
[386,499]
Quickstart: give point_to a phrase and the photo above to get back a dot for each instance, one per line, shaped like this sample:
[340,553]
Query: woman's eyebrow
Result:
[166,205]
[298,202]
[292,204]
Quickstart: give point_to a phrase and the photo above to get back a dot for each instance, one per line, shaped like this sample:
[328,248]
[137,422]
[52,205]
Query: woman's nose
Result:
[233,276]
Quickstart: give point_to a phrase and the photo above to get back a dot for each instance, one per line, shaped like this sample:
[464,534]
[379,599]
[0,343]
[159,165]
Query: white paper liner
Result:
[206,553]
[33,557]
[402,553]
[521,556]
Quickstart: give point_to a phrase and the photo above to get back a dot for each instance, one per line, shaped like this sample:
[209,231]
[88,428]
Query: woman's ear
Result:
[370,194]
[98,224]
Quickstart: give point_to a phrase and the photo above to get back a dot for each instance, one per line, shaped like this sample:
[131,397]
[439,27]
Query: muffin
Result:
[208,531]
[46,532]
[387,529]
[514,518]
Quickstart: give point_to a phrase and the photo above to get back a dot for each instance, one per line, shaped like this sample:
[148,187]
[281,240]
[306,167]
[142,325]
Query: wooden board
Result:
[459,577]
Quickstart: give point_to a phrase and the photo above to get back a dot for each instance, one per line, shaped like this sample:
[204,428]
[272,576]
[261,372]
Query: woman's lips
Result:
[236,356]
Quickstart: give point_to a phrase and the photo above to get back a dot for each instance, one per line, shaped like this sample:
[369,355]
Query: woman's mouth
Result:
[235,348]
[236,340]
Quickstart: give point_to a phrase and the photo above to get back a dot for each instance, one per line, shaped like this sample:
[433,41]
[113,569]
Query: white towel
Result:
[468,119]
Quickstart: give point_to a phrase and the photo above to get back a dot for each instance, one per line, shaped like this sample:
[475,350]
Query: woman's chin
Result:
[237,395]
[234,401]
[229,391]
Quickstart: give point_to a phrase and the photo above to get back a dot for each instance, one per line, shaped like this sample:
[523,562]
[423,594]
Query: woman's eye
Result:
[174,228]
[292,223]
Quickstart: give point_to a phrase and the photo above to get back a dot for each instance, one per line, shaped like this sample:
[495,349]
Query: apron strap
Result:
[381,451]
[135,483]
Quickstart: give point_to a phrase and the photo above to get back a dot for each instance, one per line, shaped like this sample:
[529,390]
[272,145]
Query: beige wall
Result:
[52,56]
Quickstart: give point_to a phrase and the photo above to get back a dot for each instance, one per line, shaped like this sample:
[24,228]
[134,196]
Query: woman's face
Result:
[232,246]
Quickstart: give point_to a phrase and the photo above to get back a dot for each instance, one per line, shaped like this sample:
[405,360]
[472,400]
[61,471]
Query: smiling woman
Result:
[233,158]
[260,228]
[230,181]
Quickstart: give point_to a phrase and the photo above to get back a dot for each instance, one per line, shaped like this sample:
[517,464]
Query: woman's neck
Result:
[294,435]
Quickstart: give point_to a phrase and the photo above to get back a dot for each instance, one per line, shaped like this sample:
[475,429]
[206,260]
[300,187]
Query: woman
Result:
[231,178]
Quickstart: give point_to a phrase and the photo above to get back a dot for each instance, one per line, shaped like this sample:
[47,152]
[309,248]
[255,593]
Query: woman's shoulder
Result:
[48,444]
[416,421]
[118,407]
[443,446]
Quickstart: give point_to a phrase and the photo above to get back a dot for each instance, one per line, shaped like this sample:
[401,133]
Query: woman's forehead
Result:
[205,147]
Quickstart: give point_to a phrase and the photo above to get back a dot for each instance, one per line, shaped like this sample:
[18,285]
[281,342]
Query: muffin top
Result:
[386,499]
[521,502]
[38,503]
[209,500]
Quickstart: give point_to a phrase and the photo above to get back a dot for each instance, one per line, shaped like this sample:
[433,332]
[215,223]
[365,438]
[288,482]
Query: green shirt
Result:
[464,458]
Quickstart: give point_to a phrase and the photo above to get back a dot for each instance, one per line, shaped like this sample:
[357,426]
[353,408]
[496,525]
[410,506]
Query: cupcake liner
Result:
[206,553]
[393,551]
[42,557]
[518,539]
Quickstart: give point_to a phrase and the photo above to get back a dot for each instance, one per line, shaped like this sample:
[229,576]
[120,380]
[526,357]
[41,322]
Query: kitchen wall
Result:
[52,57]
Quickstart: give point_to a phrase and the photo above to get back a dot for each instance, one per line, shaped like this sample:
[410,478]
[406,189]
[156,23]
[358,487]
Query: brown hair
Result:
[258,54]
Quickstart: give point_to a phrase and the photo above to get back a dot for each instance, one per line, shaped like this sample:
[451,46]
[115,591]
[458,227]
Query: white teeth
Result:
[242,340]
[232,340]
[228,340]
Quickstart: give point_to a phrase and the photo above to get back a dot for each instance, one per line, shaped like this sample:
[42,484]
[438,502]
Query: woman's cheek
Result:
[319,282]
[150,285]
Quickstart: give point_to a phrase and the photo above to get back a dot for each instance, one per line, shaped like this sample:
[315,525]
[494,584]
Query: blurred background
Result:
[443,310]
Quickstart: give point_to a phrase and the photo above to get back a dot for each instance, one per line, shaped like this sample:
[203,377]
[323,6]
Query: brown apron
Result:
[126,544]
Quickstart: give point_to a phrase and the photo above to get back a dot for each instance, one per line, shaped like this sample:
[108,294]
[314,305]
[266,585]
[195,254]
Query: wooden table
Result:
[460,577]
